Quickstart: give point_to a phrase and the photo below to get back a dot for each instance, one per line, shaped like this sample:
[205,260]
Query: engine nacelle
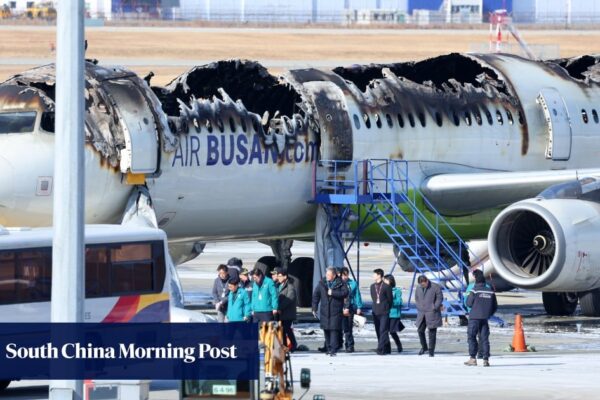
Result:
[548,244]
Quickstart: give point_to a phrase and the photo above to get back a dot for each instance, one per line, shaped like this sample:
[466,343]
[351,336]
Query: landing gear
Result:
[559,303]
[590,303]
[301,270]
[270,262]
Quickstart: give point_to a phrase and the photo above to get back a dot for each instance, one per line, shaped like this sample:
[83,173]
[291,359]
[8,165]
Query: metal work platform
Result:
[358,194]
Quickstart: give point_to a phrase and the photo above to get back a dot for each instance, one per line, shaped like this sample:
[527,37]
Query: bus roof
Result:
[13,238]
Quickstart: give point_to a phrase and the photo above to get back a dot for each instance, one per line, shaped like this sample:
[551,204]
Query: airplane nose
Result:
[7,190]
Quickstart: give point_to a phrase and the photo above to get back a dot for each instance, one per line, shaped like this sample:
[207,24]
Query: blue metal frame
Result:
[379,186]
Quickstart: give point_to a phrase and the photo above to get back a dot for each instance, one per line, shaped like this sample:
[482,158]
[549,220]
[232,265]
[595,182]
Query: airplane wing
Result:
[466,193]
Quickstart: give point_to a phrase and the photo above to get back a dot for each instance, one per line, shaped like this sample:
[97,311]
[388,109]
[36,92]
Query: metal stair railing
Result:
[384,184]
[418,250]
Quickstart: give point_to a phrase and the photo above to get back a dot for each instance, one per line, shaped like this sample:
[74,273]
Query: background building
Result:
[557,11]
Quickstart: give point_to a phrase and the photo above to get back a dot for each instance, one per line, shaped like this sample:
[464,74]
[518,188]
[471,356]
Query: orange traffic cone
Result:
[518,342]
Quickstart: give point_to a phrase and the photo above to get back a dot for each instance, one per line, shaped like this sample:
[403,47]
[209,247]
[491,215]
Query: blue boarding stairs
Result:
[360,193]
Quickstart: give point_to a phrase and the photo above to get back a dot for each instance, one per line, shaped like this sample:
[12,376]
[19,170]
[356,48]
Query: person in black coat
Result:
[483,304]
[330,294]
[287,307]
[382,297]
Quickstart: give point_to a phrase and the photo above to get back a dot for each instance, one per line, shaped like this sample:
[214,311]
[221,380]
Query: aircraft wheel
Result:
[590,303]
[559,303]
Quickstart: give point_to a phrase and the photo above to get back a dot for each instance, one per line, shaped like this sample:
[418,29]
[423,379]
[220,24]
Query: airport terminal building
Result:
[348,12]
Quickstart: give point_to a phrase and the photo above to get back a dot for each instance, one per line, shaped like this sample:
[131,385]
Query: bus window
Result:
[34,276]
[7,277]
[131,252]
[25,276]
[131,277]
[132,269]
[110,270]
[97,273]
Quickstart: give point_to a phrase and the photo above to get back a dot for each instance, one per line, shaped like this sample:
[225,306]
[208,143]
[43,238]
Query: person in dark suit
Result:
[382,297]
[428,299]
[328,297]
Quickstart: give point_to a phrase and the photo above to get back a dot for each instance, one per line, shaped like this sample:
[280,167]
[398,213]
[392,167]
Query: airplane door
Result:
[558,142]
[336,129]
[140,155]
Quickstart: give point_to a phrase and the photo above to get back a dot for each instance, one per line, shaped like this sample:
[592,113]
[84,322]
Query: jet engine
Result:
[548,244]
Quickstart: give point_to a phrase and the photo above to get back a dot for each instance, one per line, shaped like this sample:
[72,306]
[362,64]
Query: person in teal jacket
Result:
[395,312]
[238,309]
[352,305]
[265,300]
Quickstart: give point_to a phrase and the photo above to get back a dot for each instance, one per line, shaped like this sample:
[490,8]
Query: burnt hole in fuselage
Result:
[578,67]
[226,91]
[434,72]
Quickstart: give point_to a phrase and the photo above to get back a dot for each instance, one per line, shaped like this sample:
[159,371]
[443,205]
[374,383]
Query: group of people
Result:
[239,298]
[337,299]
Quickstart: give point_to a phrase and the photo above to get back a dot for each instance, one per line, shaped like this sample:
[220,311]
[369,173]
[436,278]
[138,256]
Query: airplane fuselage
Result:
[226,173]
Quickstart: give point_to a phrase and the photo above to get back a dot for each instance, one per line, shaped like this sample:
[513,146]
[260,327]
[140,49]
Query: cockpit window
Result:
[17,122]
[47,122]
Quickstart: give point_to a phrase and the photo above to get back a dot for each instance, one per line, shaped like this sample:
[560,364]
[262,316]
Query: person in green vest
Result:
[265,301]
[238,309]
[396,324]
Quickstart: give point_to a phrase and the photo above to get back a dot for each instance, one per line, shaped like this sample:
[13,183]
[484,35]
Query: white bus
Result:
[126,274]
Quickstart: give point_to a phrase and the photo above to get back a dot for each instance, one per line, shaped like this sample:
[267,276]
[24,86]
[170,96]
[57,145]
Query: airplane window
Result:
[17,122]
[499,117]
[438,118]
[509,117]
[231,124]
[411,120]
[196,123]
[378,121]
[243,123]
[185,128]
[367,121]
[477,116]
[388,118]
[421,119]
[400,120]
[584,116]
[455,118]
[47,122]
[468,118]
[488,116]
[356,121]
[595,115]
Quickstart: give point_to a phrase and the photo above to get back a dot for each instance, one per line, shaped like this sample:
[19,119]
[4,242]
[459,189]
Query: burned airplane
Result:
[497,143]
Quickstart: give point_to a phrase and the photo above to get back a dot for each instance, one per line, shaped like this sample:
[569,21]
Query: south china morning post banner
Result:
[129,351]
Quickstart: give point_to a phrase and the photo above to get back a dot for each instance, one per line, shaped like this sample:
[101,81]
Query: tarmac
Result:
[566,363]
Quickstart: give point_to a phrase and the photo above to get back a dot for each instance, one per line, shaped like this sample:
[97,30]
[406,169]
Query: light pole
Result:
[67,246]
